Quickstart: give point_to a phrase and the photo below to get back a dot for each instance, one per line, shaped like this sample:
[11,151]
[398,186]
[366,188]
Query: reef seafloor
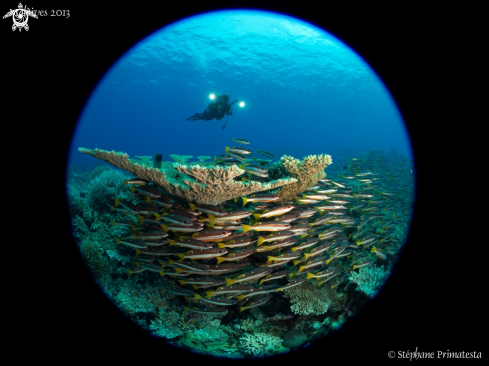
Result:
[240,256]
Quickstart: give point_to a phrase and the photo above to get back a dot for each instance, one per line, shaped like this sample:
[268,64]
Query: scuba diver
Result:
[216,109]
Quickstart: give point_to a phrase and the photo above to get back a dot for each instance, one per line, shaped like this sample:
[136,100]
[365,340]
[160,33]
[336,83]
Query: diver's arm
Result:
[234,102]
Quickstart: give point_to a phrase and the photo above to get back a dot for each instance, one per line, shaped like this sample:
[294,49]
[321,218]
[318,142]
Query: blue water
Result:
[306,92]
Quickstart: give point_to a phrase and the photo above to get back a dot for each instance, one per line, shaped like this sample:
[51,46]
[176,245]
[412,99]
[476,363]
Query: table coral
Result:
[181,158]
[307,172]
[194,183]
[203,158]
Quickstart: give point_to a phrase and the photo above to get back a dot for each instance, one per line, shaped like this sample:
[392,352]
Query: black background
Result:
[433,299]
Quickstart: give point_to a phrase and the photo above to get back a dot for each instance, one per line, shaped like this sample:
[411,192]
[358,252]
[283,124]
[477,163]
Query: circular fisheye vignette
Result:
[152,251]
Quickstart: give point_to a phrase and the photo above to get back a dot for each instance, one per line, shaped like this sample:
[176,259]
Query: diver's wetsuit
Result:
[217,109]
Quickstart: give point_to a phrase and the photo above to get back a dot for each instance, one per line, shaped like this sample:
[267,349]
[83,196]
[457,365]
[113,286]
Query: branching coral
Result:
[369,279]
[308,172]
[258,343]
[193,183]
[166,325]
[308,298]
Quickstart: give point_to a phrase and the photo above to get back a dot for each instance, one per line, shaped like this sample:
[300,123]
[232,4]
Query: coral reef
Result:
[377,197]
[259,343]
[307,172]
[309,298]
[369,280]
[93,254]
[167,325]
[217,184]
[182,159]
[192,183]
[203,158]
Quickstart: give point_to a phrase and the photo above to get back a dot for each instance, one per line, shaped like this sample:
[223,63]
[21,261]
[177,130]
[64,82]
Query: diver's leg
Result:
[195,117]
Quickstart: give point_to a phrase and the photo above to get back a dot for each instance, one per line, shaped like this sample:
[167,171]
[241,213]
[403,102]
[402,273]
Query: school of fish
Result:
[244,251]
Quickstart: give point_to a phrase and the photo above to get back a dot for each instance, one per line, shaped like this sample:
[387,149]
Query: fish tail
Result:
[309,275]
[240,297]
[245,228]
[129,272]
[182,282]
[260,240]
[257,216]
[211,218]
[301,268]
[229,282]
[220,245]
[220,259]
[118,241]
[138,251]
[244,200]
[242,308]
[172,242]
[192,206]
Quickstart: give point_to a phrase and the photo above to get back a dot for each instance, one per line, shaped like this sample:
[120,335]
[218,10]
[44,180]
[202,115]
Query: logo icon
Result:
[20,17]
